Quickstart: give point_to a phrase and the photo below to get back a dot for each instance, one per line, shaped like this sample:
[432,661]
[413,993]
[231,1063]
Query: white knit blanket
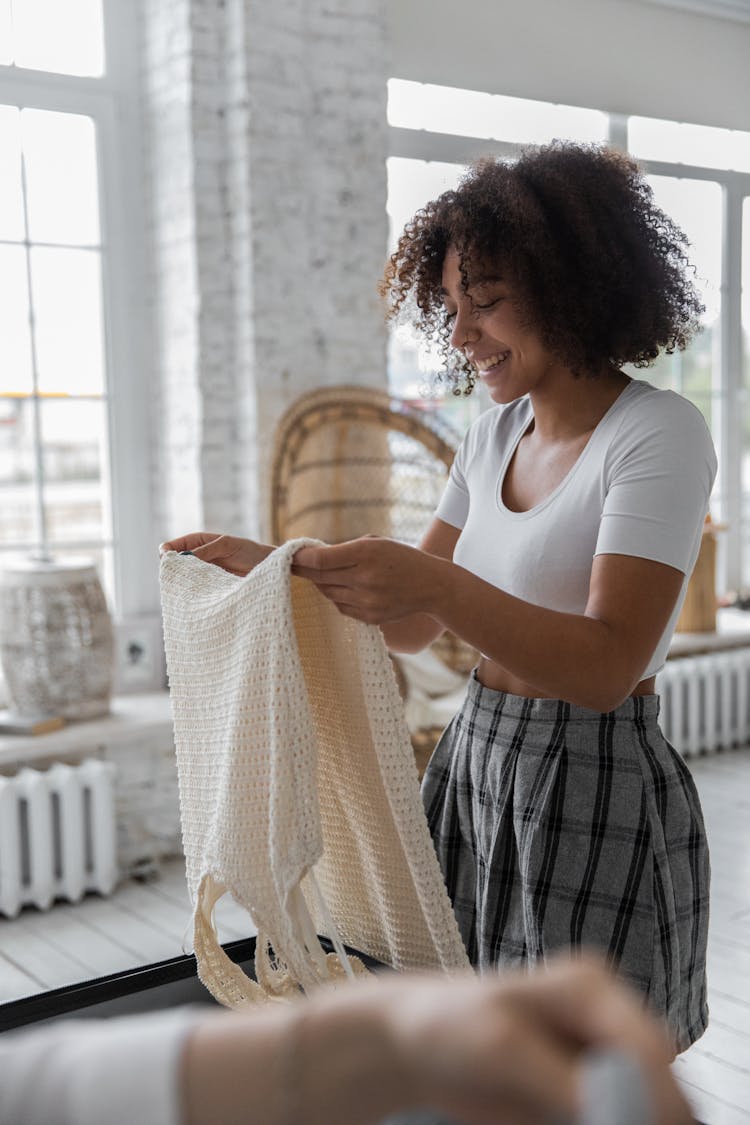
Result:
[293,754]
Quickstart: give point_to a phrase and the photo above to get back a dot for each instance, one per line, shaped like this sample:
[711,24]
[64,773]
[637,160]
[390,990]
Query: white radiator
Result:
[705,701]
[57,834]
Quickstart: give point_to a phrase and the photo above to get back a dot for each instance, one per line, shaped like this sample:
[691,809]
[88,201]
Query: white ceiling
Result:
[645,57]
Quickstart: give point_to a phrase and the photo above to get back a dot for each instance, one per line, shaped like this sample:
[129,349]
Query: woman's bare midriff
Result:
[498,679]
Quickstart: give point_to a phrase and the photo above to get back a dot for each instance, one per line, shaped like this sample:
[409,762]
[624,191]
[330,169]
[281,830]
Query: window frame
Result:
[111,101]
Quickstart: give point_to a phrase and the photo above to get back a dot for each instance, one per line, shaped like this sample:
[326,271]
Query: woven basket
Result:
[56,645]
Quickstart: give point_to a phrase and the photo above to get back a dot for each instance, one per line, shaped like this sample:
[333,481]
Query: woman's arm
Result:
[594,659]
[417,630]
[239,556]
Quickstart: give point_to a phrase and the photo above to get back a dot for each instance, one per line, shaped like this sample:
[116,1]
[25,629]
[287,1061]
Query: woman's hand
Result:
[238,556]
[504,1049]
[374,580]
[513,1047]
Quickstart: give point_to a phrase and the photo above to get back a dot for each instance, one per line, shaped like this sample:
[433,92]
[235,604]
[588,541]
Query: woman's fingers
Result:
[374,580]
[582,1000]
[481,1060]
[585,1004]
[195,540]
[536,1081]
[217,550]
[524,1043]
[317,561]
[336,577]
[235,555]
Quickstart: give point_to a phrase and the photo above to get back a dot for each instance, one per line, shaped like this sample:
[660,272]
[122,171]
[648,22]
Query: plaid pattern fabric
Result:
[558,827]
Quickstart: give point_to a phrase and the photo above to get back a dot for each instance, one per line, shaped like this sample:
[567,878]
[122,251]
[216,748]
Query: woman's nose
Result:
[465,330]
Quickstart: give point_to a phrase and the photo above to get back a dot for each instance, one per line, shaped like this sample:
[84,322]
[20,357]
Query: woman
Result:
[561,550]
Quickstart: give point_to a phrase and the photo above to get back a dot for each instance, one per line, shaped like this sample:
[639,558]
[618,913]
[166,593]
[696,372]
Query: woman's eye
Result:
[449,315]
[488,305]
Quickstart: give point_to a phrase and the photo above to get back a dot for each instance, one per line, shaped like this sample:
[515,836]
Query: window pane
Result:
[681,143]
[745,509]
[15,334]
[745,453]
[65,37]
[695,205]
[470,113]
[17,494]
[61,177]
[411,184]
[11,199]
[66,294]
[73,438]
[690,373]
[746,289]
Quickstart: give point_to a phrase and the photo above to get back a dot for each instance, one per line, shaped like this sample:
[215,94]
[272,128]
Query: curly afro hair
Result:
[599,272]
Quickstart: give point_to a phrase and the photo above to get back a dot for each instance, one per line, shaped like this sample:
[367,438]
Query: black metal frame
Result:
[119,993]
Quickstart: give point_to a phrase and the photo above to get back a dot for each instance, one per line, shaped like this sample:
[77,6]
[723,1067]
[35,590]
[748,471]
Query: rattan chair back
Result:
[351,461]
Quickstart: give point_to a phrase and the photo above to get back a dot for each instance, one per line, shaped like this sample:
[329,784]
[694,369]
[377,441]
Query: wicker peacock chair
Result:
[351,461]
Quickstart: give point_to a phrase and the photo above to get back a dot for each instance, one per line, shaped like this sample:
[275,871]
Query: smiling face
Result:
[485,325]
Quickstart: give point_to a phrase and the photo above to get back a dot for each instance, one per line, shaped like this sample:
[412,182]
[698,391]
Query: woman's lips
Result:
[492,365]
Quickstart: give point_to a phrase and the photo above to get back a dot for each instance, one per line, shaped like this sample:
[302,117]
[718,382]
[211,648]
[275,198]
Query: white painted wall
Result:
[265,146]
[624,56]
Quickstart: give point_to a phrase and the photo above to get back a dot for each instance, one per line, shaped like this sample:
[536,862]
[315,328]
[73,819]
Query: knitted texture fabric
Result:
[293,754]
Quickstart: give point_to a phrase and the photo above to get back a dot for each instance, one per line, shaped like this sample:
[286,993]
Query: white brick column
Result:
[265,131]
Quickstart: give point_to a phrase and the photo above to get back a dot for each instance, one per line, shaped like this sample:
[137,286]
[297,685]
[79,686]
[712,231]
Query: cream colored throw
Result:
[293,755]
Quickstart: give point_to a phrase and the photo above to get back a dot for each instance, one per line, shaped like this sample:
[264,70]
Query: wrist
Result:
[348,1069]
[439,590]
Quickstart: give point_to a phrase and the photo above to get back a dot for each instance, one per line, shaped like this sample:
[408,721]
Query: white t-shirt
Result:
[640,487]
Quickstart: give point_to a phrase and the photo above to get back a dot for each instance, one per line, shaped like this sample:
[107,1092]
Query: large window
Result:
[53,433]
[74,441]
[700,176]
[66,373]
[744,442]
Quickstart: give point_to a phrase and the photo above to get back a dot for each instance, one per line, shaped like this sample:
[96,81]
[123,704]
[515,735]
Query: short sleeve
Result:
[659,477]
[453,507]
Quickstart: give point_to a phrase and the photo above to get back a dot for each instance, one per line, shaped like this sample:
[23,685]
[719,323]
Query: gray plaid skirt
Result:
[560,828]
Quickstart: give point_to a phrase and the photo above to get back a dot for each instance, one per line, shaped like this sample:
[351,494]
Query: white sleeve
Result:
[659,482]
[85,1072]
[453,507]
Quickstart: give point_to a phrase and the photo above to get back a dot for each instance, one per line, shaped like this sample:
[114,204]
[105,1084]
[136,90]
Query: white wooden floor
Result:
[715,1071]
[140,923]
[145,922]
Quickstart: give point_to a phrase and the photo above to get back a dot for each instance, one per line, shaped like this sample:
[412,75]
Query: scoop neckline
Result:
[522,430]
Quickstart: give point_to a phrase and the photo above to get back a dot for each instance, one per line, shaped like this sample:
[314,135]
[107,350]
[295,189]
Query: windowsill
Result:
[732,631]
[132,718]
